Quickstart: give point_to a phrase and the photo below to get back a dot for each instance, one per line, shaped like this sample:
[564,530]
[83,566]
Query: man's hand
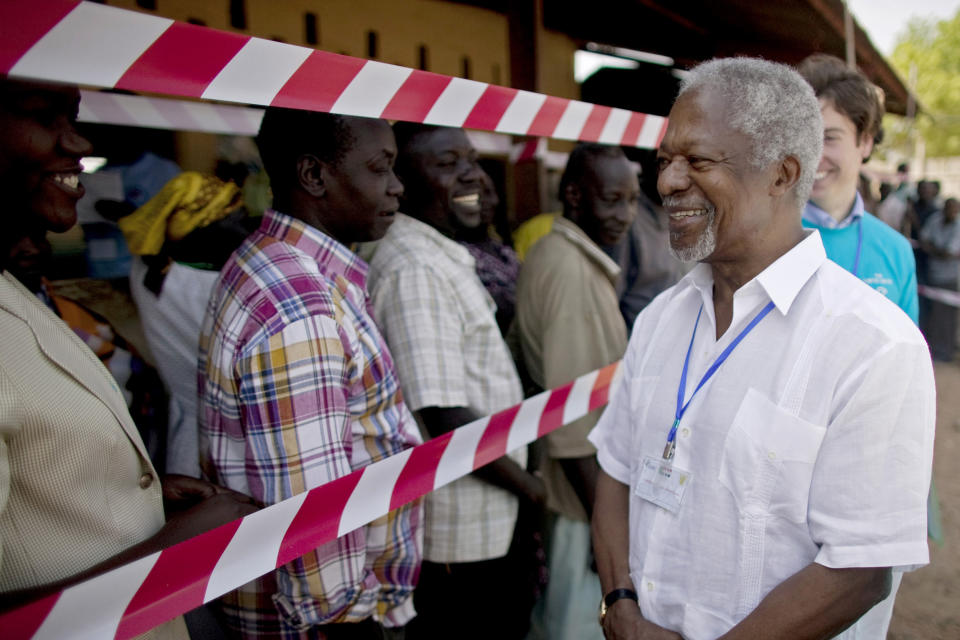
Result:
[212,512]
[182,492]
[625,622]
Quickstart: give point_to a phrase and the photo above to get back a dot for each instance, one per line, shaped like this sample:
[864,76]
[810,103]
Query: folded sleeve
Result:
[868,496]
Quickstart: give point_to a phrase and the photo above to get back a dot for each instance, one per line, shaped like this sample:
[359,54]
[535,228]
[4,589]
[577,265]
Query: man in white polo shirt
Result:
[767,456]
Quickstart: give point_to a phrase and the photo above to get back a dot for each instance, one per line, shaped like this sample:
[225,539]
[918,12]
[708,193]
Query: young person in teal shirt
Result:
[852,110]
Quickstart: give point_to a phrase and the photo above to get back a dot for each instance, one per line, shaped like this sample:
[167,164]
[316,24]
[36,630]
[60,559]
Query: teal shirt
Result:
[886,258]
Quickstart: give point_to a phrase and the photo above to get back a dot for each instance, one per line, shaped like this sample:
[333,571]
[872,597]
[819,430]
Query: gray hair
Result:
[772,105]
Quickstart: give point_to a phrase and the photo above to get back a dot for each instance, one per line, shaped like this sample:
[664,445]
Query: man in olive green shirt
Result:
[568,323]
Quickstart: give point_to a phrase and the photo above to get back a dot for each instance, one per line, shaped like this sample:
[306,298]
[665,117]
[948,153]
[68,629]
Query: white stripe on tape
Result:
[579,399]
[615,126]
[159,114]
[650,132]
[457,458]
[520,113]
[371,90]
[370,498]
[94,44]
[253,549]
[107,594]
[455,103]
[527,422]
[208,118]
[572,121]
[257,72]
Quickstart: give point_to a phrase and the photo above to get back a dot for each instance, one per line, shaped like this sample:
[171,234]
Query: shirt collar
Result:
[781,281]
[582,241]
[405,224]
[815,215]
[332,257]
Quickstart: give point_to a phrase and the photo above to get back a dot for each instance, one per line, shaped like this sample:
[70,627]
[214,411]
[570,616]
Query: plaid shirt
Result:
[297,388]
[439,322]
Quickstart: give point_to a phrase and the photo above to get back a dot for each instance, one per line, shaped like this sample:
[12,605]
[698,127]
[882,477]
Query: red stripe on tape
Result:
[552,417]
[634,125]
[491,106]
[663,132]
[182,61]
[309,529]
[24,622]
[25,23]
[419,474]
[187,566]
[493,442]
[600,394]
[548,117]
[593,127]
[319,81]
[415,97]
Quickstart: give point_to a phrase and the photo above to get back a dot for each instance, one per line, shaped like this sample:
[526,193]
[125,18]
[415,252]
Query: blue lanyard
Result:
[671,447]
[856,260]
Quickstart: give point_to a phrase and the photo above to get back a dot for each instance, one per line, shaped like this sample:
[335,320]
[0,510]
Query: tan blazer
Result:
[76,484]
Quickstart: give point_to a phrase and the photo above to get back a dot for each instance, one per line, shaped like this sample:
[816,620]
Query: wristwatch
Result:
[613,596]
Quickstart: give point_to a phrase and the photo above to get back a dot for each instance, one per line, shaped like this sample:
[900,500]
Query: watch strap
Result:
[620,594]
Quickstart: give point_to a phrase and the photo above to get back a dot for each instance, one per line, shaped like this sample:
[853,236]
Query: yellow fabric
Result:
[188,202]
[530,231]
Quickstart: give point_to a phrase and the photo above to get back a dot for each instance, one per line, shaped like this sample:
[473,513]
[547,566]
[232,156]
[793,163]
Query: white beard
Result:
[704,246]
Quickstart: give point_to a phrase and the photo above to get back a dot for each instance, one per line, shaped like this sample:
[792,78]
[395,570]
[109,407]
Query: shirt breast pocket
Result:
[768,459]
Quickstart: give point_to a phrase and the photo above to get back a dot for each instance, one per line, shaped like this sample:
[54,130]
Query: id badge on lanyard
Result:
[660,481]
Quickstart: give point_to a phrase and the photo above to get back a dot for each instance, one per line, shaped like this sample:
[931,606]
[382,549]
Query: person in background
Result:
[647,267]
[497,263]
[940,241]
[180,239]
[78,492]
[454,367]
[568,324]
[297,386]
[894,200]
[852,111]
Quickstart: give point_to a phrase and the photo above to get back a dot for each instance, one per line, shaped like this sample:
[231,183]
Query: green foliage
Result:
[934,47]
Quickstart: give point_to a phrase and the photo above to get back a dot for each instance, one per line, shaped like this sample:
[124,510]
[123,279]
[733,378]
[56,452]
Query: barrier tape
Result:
[946,296]
[96,45]
[138,596]
[165,113]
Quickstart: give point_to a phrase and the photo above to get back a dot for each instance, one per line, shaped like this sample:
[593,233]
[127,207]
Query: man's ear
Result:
[311,174]
[786,177]
[866,147]
[571,195]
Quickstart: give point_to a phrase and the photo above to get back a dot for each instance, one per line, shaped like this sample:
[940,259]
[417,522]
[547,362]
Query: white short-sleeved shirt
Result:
[812,443]
[439,322]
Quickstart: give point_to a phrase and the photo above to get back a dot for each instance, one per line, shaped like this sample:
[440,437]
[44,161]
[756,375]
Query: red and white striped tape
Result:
[946,296]
[143,594]
[91,44]
[166,113]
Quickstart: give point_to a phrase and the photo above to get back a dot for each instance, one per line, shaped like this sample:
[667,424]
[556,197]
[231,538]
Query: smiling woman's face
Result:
[40,153]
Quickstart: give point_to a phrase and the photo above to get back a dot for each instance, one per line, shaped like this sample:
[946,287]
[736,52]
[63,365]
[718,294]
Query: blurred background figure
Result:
[497,264]
[940,241]
[180,239]
[568,324]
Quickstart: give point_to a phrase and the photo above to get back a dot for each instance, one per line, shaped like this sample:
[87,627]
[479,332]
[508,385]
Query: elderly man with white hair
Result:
[766,457]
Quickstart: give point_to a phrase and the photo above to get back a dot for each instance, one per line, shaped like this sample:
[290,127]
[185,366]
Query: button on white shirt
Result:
[813,442]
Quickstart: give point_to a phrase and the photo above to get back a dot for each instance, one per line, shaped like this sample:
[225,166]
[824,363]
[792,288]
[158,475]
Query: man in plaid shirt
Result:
[297,386]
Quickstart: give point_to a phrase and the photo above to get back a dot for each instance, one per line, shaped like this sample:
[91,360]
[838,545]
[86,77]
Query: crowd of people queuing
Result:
[781,494]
